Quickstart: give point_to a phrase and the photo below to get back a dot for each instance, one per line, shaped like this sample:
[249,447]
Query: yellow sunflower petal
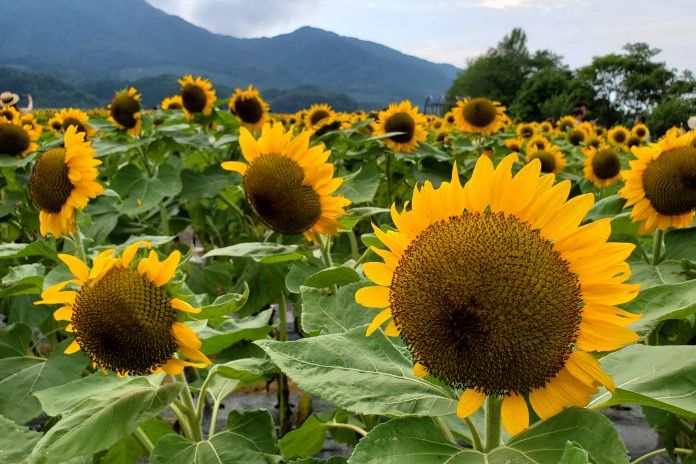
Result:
[167,269]
[77,267]
[74,347]
[470,402]
[373,297]
[419,370]
[515,414]
[181,305]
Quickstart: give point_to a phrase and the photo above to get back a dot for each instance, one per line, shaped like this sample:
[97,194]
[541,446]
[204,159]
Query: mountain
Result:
[82,41]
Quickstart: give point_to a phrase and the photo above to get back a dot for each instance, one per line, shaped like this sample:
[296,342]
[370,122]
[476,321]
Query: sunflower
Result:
[565,123]
[249,107]
[56,123]
[480,116]
[514,144]
[289,184]
[633,141]
[123,315]
[197,95]
[33,128]
[618,135]
[525,130]
[497,290]
[593,141]
[539,142]
[576,136]
[405,118]
[602,165]
[172,103]
[74,117]
[317,116]
[449,117]
[16,141]
[125,111]
[62,181]
[546,127]
[551,157]
[641,131]
[661,184]
[599,131]
[9,115]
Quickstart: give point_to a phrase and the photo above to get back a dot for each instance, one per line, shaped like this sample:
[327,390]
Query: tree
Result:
[670,113]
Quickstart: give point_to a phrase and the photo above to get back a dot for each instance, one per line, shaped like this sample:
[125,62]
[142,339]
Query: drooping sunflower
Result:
[75,117]
[661,183]
[480,116]
[565,123]
[62,181]
[602,165]
[288,184]
[514,144]
[123,315]
[249,107]
[9,115]
[197,95]
[497,290]
[172,103]
[525,130]
[125,111]
[405,118]
[539,142]
[16,141]
[641,131]
[318,115]
[551,157]
[618,135]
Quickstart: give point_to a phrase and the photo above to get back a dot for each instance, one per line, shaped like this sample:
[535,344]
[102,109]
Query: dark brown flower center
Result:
[49,184]
[317,116]
[123,109]
[670,181]
[479,112]
[400,122]
[248,110]
[194,98]
[13,140]
[548,160]
[67,122]
[606,164]
[576,137]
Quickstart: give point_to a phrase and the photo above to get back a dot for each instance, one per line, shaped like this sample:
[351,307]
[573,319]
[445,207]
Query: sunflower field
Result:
[210,282]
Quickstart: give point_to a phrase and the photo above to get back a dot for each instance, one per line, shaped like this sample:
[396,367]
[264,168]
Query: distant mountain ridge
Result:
[89,40]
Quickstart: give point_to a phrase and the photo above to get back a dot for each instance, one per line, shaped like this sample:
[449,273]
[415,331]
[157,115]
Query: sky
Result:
[454,31]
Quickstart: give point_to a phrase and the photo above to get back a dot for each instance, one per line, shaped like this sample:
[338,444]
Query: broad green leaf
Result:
[249,439]
[365,375]
[299,271]
[545,442]
[141,193]
[154,240]
[222,306]
[258,251]
[247,370]
[334,313]
[16,441]
[232,331]
[648,276]
[128,449]
[14,340]
[335,275]
[606,207]
[362,186]
[304,441]
[679,244]
[657,304]
[100,421]
[206,184]
[43,248]
[26,279]
[574,454]
[21,377]
[663,377]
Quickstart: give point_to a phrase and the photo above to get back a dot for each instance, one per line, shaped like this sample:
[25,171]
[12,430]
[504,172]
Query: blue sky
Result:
[453,31]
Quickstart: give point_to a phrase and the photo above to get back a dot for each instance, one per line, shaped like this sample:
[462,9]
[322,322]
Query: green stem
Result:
[181,417]
[143,439]
[362,258]
[341,425]
[325,242]
[354,250]
[389,178]
[79,244]
[652,454]
[164,219]
[475,437]
[283,410]
[657,246]
[445,430]
[202,393]
[213,419]
[194,423]
[493,417]
[145,161]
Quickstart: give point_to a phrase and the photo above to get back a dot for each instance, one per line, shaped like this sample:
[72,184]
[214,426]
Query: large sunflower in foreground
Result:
[497,290]
[405,118]
[62,181]
[123,314]
[479,116]
[551,157]
[289,184]
[251,110]
[661,184]
[125,111]
[602,165]
[16,141]
[75,117]
[197,95]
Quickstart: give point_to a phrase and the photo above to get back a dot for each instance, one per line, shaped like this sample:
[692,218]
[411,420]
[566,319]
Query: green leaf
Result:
[17,441]
[222,306]
[21,377]
[657,304]
[335,313]
[365,375]
[648,276]
[663,377]
[546,441]
[59,399]
[304,441]
[14,340]
[246,370]
[606,207]
[574,454]
[679,244]
[204,185]
[259,251]
[22,250]
[298,272]
[249,439]
[335,275]
[232,331]
[26,279]
[128,449]
[141,193]
[361,186]
[100,421]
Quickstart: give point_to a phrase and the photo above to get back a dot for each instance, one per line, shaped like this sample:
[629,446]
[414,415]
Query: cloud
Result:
[241,18]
